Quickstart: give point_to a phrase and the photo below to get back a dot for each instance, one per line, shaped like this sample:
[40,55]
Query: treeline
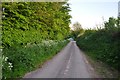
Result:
[32,22]
[32,32]
[103,44]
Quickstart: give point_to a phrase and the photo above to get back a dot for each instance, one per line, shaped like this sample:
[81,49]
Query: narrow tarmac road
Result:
[69,63]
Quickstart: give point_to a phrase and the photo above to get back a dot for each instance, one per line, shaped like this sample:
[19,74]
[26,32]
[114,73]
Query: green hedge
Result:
[25,28]
[32,22]
[17,61]
[103,44]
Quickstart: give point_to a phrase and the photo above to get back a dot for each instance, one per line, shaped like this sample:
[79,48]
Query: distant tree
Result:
[111,24]
[77,30]
[77,26]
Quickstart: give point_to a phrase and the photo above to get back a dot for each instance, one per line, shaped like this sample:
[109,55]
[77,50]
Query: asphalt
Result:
[70,62]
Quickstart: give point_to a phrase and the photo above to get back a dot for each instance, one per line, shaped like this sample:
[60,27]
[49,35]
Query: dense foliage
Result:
[21,60]
[25,28]
[103,44]
[30,22]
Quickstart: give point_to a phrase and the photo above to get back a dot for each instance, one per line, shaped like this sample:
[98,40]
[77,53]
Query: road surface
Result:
[70,62]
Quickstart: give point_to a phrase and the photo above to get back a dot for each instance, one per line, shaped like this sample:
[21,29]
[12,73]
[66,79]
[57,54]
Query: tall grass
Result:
[19,60]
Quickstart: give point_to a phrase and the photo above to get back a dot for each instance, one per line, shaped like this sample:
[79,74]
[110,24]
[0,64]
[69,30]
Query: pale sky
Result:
[89,13]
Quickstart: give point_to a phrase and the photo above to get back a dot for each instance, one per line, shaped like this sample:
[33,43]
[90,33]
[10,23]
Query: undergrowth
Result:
[19,60]
[103,44]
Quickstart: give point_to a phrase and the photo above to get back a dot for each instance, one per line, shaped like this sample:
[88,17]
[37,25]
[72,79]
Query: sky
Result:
[90,13]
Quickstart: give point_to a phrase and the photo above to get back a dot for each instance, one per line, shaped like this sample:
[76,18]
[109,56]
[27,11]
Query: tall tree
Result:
[31,22]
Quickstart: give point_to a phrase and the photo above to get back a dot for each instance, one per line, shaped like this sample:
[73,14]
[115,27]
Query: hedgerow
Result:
[20,60]
[25,28]
[31,22]
[103,44]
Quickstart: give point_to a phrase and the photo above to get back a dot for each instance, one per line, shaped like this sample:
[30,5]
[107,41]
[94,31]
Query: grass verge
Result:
[103,70]
[19,60]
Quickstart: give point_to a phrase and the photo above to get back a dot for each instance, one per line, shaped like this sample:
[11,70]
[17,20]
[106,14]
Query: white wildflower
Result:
[3,16]
[1,49]
[3,9]
[10,65]
[6,58]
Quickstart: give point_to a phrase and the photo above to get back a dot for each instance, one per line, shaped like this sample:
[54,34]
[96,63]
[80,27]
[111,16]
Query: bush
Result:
[16,60]
[103,44]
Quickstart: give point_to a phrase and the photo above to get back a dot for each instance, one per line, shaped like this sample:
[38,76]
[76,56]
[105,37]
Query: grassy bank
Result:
[102,69]
[19,60]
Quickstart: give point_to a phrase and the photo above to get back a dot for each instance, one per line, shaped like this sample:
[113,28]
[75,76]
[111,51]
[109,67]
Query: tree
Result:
[77,29]
[77,26]
[32,22]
